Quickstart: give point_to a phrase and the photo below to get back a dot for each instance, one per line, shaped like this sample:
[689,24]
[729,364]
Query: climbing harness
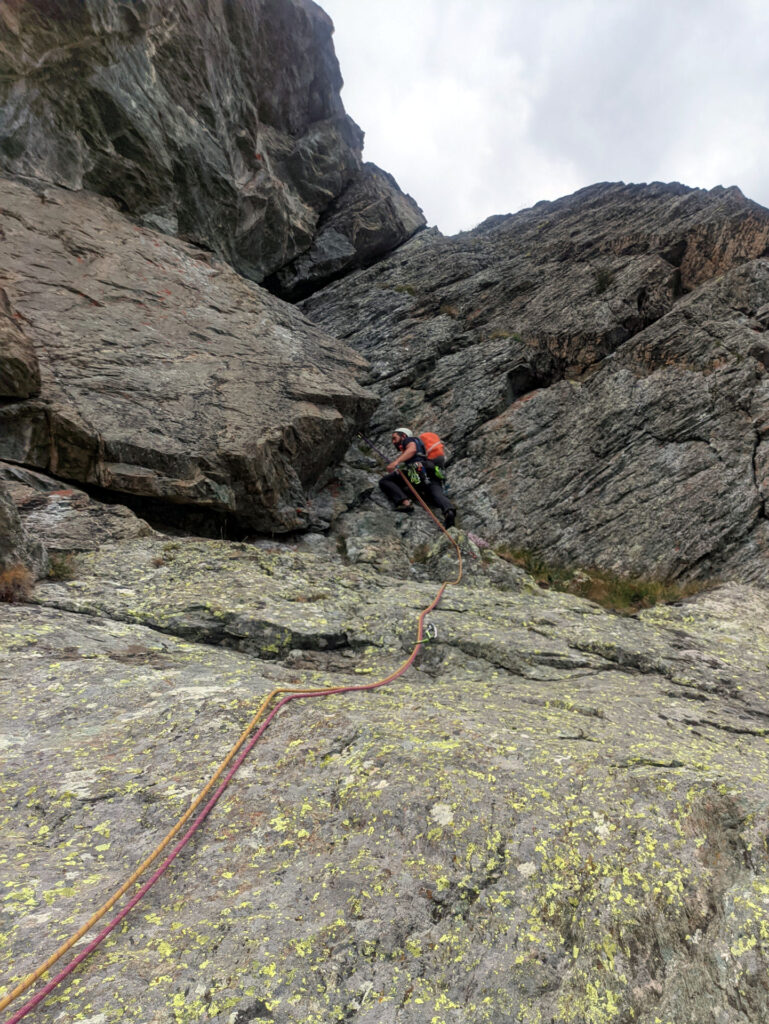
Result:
[236,756]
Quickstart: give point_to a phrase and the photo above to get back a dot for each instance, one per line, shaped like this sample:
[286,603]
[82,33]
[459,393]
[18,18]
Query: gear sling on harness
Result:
[423,470]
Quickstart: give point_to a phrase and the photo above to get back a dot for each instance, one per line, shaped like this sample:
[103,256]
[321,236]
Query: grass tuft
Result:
[625,595]
[16,583]
[420,554]
[61,566]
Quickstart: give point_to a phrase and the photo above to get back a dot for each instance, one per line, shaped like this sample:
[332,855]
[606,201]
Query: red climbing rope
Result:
[177,849]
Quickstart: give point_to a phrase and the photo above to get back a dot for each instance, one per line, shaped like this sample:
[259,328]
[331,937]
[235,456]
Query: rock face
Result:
[19,369]
[220,122]
[66,519]
[370,219]
[165,375]
[598,366]
[558,815]
[17,547]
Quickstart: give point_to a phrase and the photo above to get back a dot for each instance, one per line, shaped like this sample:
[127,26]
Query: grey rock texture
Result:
[166,375]
[19,369]
[64,518]
[17,546]
[370,219]
[598,367]
[221,122]
[558,815]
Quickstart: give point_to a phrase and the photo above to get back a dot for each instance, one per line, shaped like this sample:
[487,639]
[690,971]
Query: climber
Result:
[413,462]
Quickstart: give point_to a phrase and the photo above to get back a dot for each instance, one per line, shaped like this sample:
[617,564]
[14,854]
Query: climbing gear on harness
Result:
[439,473]
[414,472]
[413,490]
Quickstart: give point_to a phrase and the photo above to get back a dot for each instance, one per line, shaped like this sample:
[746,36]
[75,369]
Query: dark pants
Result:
[432,492]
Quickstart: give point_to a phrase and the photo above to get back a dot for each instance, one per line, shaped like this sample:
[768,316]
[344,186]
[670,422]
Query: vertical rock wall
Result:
[220,121]
[598,366]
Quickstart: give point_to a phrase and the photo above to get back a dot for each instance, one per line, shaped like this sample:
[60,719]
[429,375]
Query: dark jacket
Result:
[419,455]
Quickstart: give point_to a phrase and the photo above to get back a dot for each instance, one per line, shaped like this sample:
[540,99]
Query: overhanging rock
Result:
[222,123]
[164,374]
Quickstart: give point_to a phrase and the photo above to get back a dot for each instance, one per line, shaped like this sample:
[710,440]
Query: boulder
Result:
[165,375]
[219,122]
[65,518]
[597,366]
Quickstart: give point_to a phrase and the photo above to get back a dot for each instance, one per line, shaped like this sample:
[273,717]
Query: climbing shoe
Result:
[449,516]
[405,506]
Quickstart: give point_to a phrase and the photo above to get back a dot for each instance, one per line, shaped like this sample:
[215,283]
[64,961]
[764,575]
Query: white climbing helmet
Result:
[403,430]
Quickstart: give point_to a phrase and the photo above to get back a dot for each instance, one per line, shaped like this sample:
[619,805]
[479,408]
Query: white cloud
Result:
[486,106]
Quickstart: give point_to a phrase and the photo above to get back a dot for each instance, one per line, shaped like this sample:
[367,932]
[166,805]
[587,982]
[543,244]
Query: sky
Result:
[482,107]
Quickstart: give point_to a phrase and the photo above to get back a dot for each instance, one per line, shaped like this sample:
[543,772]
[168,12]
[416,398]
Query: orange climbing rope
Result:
[289,694]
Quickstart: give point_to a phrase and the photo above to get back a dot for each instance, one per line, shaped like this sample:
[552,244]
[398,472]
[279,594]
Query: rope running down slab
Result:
[290,694]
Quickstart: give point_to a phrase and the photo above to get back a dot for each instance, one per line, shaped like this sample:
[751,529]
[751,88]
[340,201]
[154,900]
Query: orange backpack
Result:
[433,445]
